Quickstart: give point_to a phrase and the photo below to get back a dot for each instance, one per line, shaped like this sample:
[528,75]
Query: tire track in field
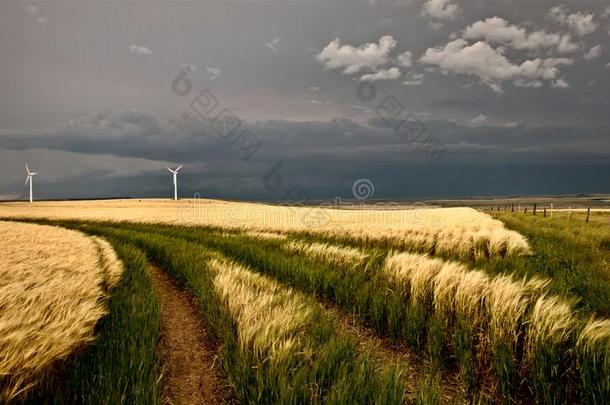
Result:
[190,370]
[386,352]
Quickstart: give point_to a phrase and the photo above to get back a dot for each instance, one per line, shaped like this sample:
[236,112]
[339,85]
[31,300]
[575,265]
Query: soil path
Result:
[191,371]
[381,349]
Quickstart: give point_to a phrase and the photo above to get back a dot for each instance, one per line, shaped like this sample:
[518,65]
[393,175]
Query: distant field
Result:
[398,306]
[461,232]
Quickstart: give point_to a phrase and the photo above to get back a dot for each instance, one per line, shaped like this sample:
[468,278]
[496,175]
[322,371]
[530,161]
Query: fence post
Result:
[512,207]
[552,211]
[525,211]
[588,213]
[534,208]
[544,212]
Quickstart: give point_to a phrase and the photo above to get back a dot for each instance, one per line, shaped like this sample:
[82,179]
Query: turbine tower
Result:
[175,173]
[29,180]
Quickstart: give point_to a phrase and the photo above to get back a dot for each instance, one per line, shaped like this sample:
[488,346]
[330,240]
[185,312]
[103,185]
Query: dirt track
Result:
[190,369]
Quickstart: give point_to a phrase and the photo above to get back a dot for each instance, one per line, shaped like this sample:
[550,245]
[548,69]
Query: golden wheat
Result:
[457,231]
[446,284]
[452,288]
[504,311]
[326,252]
[415,273]
[550,324]
[265,235]
[108,262]
[593,350]
[594,335]
[470,297]
[269,317]
[51,296]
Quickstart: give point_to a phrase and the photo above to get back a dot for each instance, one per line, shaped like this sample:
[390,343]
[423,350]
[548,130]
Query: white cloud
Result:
[140,50]
[496,30]
[594,52]
[491,65]
[189,67]
[442,10]
[212,72]
[383,74]
[273,45]
[33,10]
[413,79]
[608,65]
[560,84]
[479,119]
[352,59]
[405,59]
[314,88]
[578,22]
[606,12]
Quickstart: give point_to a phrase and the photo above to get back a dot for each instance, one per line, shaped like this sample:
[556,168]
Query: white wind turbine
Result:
[29,179]
[175,173]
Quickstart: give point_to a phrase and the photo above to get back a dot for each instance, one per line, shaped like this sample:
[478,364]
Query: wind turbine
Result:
[29,179]
[175,173]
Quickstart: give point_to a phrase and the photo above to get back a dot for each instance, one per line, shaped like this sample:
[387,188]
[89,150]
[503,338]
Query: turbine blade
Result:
[26,180]
[178,168]
[170,170]
[27,169]
[33,173]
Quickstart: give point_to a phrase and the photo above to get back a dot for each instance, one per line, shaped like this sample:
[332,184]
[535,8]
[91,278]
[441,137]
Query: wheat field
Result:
[452,287]
[53,283]
[462,232]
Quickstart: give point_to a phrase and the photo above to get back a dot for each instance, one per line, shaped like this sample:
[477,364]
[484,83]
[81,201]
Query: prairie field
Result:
[427,306]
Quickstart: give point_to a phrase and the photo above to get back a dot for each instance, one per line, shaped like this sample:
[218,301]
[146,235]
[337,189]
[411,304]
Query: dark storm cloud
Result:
[534,120]
[189,139]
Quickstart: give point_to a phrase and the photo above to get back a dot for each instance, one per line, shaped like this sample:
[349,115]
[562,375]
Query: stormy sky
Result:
[298,99]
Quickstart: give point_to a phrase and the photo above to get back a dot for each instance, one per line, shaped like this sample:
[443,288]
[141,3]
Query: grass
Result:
[572,254]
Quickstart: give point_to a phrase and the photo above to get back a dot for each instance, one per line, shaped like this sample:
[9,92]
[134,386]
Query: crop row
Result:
[278,345]
[508,329]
